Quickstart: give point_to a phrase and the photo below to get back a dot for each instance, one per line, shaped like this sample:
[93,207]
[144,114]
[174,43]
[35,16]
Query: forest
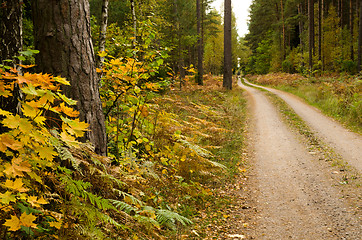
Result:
[295,36]
[118,119]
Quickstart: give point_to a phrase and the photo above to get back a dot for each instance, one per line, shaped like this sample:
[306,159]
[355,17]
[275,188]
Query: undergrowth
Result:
[168,154]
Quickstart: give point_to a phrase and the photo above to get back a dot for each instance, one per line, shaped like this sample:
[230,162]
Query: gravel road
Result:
[295,198]
[346,143]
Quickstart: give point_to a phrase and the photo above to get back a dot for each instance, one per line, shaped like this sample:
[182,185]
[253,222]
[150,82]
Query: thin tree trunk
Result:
[320,9]
[311,33]
[134,18]
[300,12]
[283,28]
[351,27]
[103,31]
[180,59]
[360,39]
[62,35]
[227,80]
[200,70]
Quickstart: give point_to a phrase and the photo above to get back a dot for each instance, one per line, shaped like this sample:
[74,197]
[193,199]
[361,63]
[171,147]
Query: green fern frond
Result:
[148,168]
[122,206]
[89,232]
[150,222]
[216,164]
[113,179]
[108,219]
[169,218]
[202,152]
[132,198]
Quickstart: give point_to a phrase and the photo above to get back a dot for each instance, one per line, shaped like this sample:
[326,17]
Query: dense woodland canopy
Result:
[282,36]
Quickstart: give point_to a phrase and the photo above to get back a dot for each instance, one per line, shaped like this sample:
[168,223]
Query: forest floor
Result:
[299,186]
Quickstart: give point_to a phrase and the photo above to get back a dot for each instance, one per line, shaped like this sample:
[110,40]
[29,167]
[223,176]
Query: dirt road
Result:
[345,143]
[294,197]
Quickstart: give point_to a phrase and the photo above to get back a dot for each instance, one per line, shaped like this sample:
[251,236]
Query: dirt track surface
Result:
[346,143]
[294,196]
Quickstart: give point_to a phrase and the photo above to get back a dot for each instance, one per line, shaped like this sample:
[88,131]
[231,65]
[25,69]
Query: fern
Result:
[122,206]
[202,152]
[216,164]
[132,198]
[88,232]
[147,221]
[113,179]
[64,153]
[108,219]
[169,218]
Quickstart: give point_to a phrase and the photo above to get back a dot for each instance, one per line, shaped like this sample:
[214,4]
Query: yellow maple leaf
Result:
[35,201]
[27,220]
[69,139]
[29,111]
[67,110]
[46,152]
[7,197]
[11,171]
[57,225]
[16,185]
[9,141]
[17,167]
[13,223]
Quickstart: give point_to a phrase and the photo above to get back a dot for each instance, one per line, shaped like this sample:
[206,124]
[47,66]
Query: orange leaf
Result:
[26,66]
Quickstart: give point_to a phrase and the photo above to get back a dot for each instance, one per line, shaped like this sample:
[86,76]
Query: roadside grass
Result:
[337,96]
[219,117]
[344,176]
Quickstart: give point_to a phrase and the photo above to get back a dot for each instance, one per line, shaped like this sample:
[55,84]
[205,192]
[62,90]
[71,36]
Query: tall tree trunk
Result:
[351,27]
[200,68]
[311,32]
[228,73]
[180,58]
[301,26]
[134,18]
[103,31]
[11,28]
[320,15]
[11,42]
[283,28]
[62,35]
[360,39]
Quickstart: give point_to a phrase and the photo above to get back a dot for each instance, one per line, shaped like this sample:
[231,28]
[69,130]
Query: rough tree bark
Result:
[62,34]
[11,28]
[11,43]
[200,67]
[227,80]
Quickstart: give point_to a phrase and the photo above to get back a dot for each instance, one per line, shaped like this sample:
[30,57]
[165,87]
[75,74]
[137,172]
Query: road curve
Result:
[346,143]
[295,199]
